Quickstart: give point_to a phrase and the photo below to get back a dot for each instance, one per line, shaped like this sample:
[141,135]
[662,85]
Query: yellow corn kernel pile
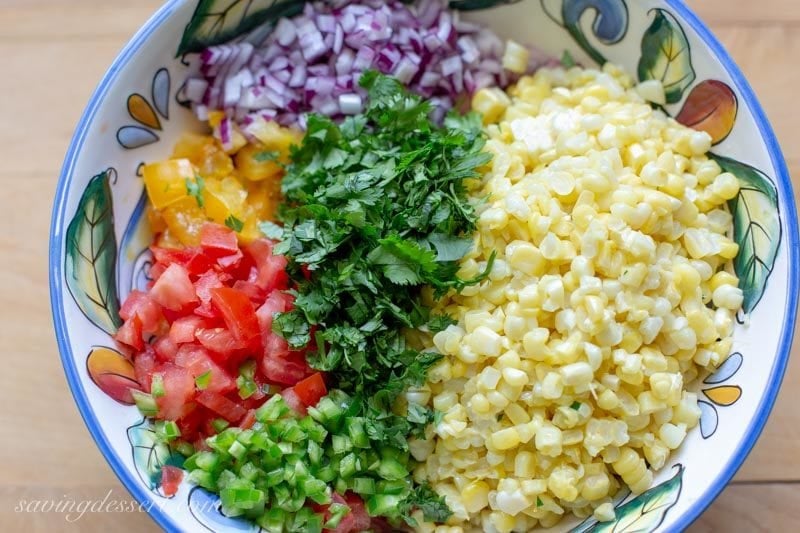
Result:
[566,373]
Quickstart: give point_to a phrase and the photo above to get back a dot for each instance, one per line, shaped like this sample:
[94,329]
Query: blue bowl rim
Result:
[145,497]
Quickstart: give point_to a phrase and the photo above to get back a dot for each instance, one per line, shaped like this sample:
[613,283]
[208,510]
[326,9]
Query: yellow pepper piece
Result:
[205,153]
[224,198]
[166,181]
[184,220]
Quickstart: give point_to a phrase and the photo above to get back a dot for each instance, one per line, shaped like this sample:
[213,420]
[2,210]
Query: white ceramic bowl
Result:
[98,243]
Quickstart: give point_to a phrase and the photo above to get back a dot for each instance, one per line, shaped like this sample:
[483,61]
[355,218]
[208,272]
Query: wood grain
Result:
[54,53]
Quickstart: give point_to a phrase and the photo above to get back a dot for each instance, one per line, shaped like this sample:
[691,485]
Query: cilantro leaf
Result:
[234,223]
[439,323]
[433,506]
[266,155]
[195,188]
[271,230]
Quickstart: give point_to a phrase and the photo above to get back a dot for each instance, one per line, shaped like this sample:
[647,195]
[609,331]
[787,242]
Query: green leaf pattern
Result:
[91,255]
[150,454]
[642,514]
[756,228]
[666,56]
[217,21]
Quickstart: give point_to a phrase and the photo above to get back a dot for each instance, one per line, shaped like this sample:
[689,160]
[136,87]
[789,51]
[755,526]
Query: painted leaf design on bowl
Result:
[710,107]
[646,511]
[113,373]
[91,254]
[722,395]
[150,454]
[609,26]
[642,514]
[474,5]
[135,256]
[756,228]
[666,56]
[217,21]
[146,113]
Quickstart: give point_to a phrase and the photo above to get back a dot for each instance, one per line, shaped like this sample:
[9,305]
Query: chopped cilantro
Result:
[376,208]
[266,155]
[539,502]
[575,405]
[234,223]
[195,189]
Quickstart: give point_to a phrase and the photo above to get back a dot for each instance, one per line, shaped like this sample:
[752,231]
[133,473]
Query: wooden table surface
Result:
[53,53]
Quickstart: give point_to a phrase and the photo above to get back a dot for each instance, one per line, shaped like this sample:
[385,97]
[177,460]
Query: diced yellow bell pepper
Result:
[257,163]
[224,198]
[166,181]
[206,154]
[274,137]
[184,220]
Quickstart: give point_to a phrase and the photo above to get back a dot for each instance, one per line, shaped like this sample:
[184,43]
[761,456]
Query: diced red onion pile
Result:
[312,62]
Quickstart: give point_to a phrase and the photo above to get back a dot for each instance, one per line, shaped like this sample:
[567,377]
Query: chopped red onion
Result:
[312,62]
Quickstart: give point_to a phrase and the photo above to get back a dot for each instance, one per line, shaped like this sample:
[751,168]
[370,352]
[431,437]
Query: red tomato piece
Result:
[171,477]
[178,392]
[271,272]
[239,315]
[231,261]
[221,342]
[218,241]
[165,349]
[142,305]
[190,423]
[193,259]
[143,365]
[130,333]
[358,511]
[249,419]
[311,389]
[183,330]
[253,291]
[174,289]
[197,361]
[293,401]
[283,371]
[225,408]
[202,287]
[276,302]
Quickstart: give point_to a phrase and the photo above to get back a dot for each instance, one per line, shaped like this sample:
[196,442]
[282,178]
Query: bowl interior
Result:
[135,116]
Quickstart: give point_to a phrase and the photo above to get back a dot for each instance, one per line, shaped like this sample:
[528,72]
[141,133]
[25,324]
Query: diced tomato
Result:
[239,315]
[178,392]
[193,259]
[222,343]
[276,346]
[165,349]
[130,333]
[284,371]
[311,389]
[225,408]
[271,273]
[248,420]
[356,520]
[218,241]
[231,261]
[183,329]
[293,401]
[143,365]
[174,289]
[197,361]
[253,291]
[202,287]
[142,305]
[276,302]
[358,511]
[171,477]
[189,424]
